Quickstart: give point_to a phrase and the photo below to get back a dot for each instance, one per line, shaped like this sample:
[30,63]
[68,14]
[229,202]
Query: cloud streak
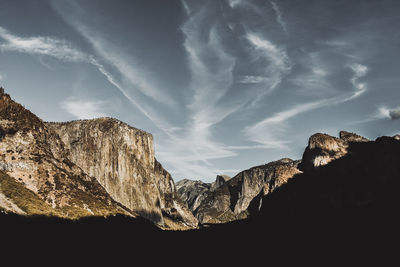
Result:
[64,51]
[82,109]
[271,130]
[47,46]
[359,72]
[385,112]
[277,65]
[279,17]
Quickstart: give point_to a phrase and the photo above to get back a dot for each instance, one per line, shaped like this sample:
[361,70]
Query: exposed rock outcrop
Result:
[219,181]
[34,155]
[323,148]
[192,192]
[232,199]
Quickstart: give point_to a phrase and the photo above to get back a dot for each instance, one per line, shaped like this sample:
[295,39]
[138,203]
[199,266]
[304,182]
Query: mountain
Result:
[122,160]
[194,192]
[228,199]
[347,177]
[335,176]
[104,173]
[85,168]
[35,157]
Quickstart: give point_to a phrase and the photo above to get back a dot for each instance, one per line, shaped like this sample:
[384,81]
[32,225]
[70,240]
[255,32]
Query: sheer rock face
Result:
[33,155]
[119,156]
[323,148]
[232,199]
[122,160]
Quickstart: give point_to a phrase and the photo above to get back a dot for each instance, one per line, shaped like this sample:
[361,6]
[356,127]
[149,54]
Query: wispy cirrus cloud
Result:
[84,109]
[250,79]
[271,131]
[136,77]
[278,63]
[40,45]
[389,113]
[234,3]
[279,16]
[64,51]
[359,71]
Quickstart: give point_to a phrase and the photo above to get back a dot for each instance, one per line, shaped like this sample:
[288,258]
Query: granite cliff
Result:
[34,156]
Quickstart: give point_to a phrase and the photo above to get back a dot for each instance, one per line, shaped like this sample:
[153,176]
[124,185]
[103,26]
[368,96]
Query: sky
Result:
[223,85]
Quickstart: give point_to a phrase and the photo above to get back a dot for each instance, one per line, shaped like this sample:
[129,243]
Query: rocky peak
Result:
[219,181]
[397,137]
[323,148]
[351,137]
[192,192]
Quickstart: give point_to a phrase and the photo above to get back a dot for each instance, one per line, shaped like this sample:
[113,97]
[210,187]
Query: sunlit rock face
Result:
[122,159]
[34,155]
[323,148]
[229,199]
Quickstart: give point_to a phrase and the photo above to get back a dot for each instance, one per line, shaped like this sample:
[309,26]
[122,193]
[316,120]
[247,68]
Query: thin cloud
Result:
[234,3]
[185,7]
[270,130]
[359,72]
[83,109]
[314,80]
[47,46]
[136,77]
[64,51]
[279,65]
[249,79]
[191,151]
[279,17]
[385,112]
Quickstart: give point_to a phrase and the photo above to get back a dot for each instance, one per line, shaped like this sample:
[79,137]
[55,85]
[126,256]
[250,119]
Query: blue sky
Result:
[223,85]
